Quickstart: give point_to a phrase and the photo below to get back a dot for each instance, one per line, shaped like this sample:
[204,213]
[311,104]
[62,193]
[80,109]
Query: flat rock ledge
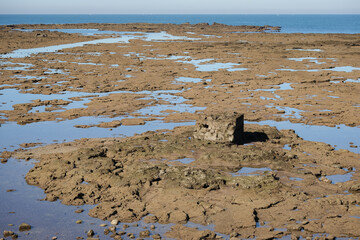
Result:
[220,127]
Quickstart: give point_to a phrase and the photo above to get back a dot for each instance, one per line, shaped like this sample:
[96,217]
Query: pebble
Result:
[125,226]
[53,238]
[145,233]
[78,221]
[24,227]
[121,233]
[103,225]
[152,227]
[114,222]
[106,231]
[112,229]
[79,210]
[8,233]
[10,224]
[10,190]
[90,233]
[131,235]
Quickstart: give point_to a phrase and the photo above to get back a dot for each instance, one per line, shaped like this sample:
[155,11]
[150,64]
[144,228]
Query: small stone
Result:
[135,225]
[114,222]
[79,210]
[8,233]
[10,224]
[90,233]
[125,226]
[131,235]
[152,227]
[103,225]
[53,238]
[121,233]
[10,190]
[24,227]
[145,233]
[78,222]
[106,231]
[112,229]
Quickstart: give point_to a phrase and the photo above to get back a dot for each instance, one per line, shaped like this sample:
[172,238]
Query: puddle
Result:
[306,50]
[285,86]
[27,207]
[287,147]
[310,59]
[347,81]
[205,65]
[340,178]
[334,69]
[282,86]
[296,179]
[9,97]
[184,160]
[288,112]
[340,135]
[22,67]
[248,171]
[48,132]
[161,36]
[188,79]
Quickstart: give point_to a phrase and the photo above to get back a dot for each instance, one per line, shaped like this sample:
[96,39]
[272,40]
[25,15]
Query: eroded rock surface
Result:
[129,179]
[220,127]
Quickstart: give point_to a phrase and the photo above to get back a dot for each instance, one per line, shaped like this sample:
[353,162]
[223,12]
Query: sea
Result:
[303,23]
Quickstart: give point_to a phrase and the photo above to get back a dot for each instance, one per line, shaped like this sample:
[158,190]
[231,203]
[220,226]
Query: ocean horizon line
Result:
[269,14]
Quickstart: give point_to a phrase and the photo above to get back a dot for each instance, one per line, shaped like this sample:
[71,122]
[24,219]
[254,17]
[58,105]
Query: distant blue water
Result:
[289,23]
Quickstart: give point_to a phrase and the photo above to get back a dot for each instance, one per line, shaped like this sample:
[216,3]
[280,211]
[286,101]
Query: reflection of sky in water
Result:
[334,69]
[48,131]
[202,65]
[188,79]
[289,112]
[184,160]
[296,178]
[161,36]
[310,59]
[340,178]
[339,136]
[247,171]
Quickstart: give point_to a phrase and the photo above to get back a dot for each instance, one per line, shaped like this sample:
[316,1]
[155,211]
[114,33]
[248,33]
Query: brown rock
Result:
[90,233]
[132,121]
[8,233]
[220,127]
[24,227]
[145,233]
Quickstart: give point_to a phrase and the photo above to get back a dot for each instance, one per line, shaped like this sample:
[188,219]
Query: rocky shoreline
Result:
[135,74]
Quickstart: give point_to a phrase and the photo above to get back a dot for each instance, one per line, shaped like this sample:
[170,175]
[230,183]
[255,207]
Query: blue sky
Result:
[179,6]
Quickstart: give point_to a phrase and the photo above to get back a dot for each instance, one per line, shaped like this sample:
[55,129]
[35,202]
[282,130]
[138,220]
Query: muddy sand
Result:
[274,184]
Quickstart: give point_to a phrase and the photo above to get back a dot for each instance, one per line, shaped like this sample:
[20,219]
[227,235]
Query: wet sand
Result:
[136,75]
